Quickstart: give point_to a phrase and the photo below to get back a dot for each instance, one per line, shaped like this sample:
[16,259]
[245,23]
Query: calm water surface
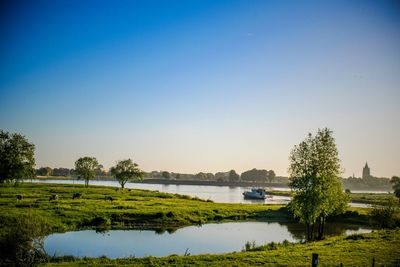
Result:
[209,238]
[219,194]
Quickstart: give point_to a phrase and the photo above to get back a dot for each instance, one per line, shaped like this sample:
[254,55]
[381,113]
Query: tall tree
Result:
[233,176]
[254,175]
[44,171]
[271,175]
[166,175]
[86,168]
[314,178]
[396,186]
[16,157]
[126,170]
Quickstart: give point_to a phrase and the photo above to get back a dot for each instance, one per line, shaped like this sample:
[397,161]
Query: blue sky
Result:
[191,86]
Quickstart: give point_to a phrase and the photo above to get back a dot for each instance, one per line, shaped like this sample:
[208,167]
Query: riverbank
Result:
[130,208]
[359,198]
[226,194]
[382,246]
[179,182]
[378,188]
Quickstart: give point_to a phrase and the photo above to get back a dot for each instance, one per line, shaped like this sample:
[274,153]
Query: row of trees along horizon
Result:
[314,175]
[259,175]
[253,175]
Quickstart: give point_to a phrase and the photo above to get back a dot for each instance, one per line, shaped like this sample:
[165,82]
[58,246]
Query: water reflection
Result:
[209,238]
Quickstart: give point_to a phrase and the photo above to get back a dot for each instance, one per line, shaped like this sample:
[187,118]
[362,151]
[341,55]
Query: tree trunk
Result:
[322,227]
[312,231]
[321,224]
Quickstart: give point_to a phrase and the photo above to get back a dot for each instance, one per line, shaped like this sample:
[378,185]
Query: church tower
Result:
[366,172]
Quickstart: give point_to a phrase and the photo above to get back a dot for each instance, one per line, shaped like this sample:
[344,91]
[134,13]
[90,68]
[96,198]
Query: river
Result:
[219,194]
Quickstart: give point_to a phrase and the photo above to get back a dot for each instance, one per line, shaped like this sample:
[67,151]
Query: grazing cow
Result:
[19,197]
[109,198]
[53,197]
[77,195]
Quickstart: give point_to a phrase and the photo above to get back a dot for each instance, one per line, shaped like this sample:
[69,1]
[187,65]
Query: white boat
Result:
[255,193]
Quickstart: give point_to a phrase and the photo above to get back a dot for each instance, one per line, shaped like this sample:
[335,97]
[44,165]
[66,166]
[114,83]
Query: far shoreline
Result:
[176,182]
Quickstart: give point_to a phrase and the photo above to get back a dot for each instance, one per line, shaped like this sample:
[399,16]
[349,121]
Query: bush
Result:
[22,243]
[100,222]
[250,246]
[385,214]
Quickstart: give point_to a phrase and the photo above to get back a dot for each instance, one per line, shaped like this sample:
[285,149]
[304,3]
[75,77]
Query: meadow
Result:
[382,246]
[143,209]
[130,208]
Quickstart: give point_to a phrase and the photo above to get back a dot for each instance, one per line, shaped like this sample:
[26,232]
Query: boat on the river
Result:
[255,193]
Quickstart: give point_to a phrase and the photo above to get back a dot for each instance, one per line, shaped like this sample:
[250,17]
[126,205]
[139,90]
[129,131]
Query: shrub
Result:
[22,243]
[384,215]
[249,246]
[100,222]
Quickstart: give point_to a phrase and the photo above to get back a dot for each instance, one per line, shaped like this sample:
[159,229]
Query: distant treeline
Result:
[367,183]
[230,176]
[253,175]
[47,171]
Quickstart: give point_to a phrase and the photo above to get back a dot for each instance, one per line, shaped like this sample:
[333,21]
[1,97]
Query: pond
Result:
[206,239]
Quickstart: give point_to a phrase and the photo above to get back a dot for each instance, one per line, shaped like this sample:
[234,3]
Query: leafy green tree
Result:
[16,157]
[396,186]
[44,171]
[233,176]
[271,175]
[126,170]
[166,175]
[254,175]
[86,168]
[314,178]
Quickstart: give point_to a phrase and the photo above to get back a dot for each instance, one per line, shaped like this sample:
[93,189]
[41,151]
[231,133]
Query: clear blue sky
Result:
[191,86]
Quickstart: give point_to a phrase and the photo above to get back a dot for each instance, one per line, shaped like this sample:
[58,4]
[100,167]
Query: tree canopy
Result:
[86,168]
[396,186]
[233,176]
[314,177]
[258,175]
[126,170]
[16,157]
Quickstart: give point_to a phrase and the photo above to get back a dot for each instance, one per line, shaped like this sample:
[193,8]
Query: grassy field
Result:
[365,198]
[356,250]
[143,209]
[129,208]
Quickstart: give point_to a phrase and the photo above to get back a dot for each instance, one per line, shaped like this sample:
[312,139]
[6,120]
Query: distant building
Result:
[366,171]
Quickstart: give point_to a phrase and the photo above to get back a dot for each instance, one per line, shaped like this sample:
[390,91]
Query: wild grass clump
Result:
[251,246]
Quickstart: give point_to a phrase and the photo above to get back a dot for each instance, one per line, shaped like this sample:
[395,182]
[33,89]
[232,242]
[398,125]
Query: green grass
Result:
[356,250]
[143,209]
[130,208]
[365,198]
[369,198]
